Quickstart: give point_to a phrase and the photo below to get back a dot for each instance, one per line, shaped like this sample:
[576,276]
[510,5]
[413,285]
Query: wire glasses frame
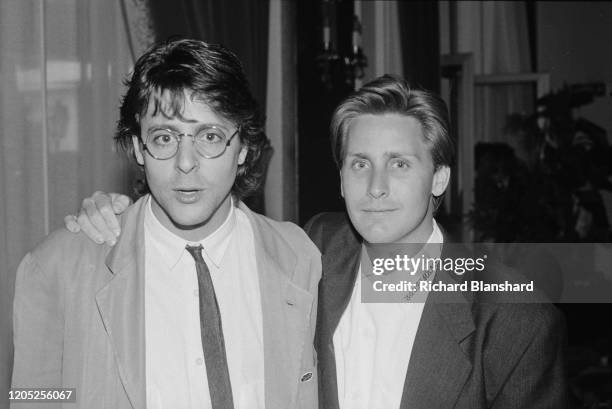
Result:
[199,141]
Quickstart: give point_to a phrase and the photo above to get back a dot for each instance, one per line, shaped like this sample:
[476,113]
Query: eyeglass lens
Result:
[164,143]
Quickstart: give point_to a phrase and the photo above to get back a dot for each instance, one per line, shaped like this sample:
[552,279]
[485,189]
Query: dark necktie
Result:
[212,337]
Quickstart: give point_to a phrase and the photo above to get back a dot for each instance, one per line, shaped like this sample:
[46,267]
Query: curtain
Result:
[497,34]
[61,67]
[138,25]
[382,43]
[280,189]
[240,25]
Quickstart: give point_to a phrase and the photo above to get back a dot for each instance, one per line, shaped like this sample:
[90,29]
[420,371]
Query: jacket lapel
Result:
[340,264]
[121,304]
[285,310]
[440,361]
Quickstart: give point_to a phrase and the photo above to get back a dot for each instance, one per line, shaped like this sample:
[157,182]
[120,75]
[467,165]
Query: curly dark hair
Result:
[215,76]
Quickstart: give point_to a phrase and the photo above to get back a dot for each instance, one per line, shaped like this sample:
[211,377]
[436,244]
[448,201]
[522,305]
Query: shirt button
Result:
[199,361]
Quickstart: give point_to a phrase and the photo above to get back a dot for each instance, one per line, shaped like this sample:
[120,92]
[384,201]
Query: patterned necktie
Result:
[212,336]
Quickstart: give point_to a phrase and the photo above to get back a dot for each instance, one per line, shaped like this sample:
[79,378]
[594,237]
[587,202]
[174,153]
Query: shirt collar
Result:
[433,247]
[173,246]
[436,234]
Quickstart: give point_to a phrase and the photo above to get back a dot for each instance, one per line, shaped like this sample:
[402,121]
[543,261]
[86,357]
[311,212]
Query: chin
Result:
[191,223]
[196,219]
[382,237]
[187,218]
[374,232]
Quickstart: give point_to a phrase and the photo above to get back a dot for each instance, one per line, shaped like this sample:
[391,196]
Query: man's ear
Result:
[138,150]
[341,185]
[440,180]
[243,154]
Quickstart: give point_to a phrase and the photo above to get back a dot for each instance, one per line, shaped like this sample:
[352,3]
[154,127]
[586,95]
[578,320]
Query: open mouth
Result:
[187,190]
[188,195]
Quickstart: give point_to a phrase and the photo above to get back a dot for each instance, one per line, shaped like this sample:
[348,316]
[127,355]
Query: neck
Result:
[424,232]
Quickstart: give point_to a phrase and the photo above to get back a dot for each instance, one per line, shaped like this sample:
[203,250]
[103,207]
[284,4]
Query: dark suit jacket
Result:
[470,353]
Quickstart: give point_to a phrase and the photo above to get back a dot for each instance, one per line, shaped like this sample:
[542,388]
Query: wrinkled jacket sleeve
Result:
[539,379]
[38,326]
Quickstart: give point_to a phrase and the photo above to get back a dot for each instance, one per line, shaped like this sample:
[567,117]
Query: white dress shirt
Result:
[175,367]
[373,343]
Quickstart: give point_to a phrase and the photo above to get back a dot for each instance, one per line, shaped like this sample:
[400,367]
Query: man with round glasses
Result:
[200,303]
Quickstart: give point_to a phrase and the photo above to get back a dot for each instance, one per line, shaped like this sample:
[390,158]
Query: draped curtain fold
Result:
[281,189]
[382,41]
[497,34]
[138,26]
[420,45]
[240,25]
[61,68]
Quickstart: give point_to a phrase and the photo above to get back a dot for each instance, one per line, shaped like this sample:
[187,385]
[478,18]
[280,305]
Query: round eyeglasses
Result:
[210,142]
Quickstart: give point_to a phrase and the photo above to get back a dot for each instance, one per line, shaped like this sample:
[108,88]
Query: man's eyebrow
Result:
[357,154]
[393,155]
[162,126]
[172,127]
[388,155]
[212,124]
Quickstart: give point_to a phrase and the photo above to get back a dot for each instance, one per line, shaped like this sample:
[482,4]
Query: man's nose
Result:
[187,159]
[379,184]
